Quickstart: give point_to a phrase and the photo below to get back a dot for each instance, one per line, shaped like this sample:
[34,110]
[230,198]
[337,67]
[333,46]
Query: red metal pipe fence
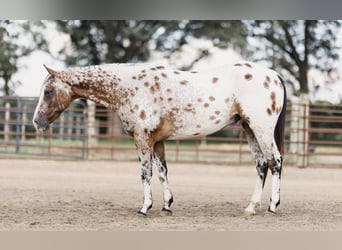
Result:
[86,131]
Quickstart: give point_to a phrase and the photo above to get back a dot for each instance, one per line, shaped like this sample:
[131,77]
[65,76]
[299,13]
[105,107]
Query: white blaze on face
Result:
[41,108]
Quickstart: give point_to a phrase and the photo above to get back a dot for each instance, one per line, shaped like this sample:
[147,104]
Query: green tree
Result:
[297,46]
[97,42]
[17,39]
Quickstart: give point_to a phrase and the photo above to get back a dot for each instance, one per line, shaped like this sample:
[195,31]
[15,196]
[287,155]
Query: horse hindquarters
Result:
[267,146]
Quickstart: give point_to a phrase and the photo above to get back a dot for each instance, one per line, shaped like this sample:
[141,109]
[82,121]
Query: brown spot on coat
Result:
[248,65]
[164,75]
[218,121]
[206,105]
[156,78]
[200,100]
[176,72]
[146,84]
[212,117]
[215,80]
[211,98]
[237,64]
[269,111]
[217,112]
[273,97]
[268,79]
[248,77]
[160,67]
[184,82]
[266,85]
[226,100]
[142,115]
[157,85]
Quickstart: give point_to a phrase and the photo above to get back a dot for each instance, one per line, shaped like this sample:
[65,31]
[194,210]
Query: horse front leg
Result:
[160,163]
[145,158]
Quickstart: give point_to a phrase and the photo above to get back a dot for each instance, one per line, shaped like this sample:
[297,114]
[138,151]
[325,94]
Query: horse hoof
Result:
[269,211]
[248,214]
[142,214]
[166,212]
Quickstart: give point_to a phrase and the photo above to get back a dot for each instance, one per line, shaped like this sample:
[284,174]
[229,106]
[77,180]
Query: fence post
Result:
[70,123]
[7,121]
[91,128]
[303,131]
[294,139]
[23,124]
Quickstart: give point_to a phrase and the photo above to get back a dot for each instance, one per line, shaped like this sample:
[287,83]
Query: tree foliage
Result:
[17,39]
[124,41]
[299,45]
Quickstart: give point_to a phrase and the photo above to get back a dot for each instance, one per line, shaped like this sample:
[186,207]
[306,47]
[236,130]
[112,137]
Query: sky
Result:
[33,73]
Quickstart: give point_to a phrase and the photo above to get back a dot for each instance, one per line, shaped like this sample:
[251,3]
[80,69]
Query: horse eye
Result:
[47,93]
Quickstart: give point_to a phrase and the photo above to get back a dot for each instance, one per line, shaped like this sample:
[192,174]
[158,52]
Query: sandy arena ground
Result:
[82,195]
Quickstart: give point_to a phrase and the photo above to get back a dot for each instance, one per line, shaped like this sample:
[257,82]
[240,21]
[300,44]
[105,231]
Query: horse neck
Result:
[100,85]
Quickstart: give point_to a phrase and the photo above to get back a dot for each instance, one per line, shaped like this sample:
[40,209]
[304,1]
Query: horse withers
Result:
[156,103]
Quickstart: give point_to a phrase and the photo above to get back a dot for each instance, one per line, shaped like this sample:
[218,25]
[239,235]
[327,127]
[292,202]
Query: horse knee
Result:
[275,165]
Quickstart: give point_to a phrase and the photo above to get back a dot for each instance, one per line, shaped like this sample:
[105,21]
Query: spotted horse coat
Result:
[156,103]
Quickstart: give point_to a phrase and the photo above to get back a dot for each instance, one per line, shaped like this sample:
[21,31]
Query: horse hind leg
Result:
[268,157]
[261,167]
[275,165]
[160,164]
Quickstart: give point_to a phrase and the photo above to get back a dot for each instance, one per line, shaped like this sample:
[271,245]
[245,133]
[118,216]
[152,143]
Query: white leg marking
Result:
[256,197]
[275,198]
[146,176]
[162,173]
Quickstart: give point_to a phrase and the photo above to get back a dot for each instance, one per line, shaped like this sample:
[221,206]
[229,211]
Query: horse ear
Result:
[51,71]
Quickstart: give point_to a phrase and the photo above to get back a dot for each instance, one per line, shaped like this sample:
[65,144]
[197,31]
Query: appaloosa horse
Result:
[156,103]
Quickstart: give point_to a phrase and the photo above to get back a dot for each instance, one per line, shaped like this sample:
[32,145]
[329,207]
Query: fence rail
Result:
[84,131]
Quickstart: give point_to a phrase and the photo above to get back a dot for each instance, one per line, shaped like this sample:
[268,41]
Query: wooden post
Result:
[61,126]
[70,123]
[303,131]
[78,126]
[91,142]
[23,123]
[7,121]
[294,138]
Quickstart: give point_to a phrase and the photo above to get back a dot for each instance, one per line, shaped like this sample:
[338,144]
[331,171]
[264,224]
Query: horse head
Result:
[55,96]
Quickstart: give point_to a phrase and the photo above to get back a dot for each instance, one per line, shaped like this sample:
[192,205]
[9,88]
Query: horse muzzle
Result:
[41,125]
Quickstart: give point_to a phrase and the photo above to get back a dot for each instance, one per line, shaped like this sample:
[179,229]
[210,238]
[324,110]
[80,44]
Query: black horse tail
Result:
[279,132]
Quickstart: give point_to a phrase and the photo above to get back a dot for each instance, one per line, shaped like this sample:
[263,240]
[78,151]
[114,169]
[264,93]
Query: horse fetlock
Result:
[145,208]
[170,201]
[166,212]
[273,206]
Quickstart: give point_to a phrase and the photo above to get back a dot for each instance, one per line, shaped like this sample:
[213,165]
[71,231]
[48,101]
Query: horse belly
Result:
[204,122]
